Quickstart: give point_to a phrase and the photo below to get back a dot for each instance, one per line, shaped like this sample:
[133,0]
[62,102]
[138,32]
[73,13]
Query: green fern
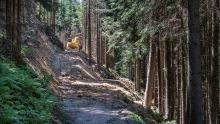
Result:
[24,98]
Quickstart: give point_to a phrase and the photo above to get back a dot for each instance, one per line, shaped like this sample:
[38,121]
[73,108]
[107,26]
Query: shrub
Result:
[24,97]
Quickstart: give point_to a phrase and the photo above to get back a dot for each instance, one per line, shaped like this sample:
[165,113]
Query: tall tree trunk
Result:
[137,75]
[161,70]
[106,54]
[44,16]
[215,81]
[85,26]
[19,32]
[11,20]
[89,34]
[170,83]
[216,38]
[150,74]
[8,13]
[183,84]
[51,15]
[48,18]
[24,16]
[14,22]
[54,18]
[158,74]
[196,103]
[40,12]
[168,100]
[98,39]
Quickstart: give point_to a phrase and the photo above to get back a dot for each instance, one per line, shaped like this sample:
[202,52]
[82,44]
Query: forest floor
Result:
[86,96]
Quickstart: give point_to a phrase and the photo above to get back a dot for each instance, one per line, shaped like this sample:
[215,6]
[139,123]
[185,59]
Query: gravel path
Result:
[86,96]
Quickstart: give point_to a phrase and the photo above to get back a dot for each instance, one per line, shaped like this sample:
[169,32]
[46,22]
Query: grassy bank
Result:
[24,97]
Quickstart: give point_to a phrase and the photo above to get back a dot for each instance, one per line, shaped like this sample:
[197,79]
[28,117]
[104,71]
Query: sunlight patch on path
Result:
[96,84]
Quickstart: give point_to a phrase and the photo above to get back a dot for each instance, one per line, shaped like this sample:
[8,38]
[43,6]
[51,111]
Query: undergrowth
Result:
[137,119]
[24,97]
[150,116]
[1,35]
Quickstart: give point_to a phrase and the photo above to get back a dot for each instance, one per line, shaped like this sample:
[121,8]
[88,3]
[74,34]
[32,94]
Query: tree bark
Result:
[19,32]
[89,34]
[161,85]
[8,5]
[13,21]
[215,81]
[150,75]
[98,39]
[196,103]
[137,76]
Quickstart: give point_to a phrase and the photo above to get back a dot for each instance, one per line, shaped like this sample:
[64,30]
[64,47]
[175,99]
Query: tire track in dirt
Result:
[88,98]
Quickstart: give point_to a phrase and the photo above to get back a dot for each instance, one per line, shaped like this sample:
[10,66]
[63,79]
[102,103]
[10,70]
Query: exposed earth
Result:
[86,96]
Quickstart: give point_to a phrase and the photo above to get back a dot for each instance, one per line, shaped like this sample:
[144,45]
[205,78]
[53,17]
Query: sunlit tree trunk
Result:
[150,74]
[85,27]
[183,85]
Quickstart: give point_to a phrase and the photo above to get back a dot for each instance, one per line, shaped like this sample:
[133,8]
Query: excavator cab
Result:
[74,42]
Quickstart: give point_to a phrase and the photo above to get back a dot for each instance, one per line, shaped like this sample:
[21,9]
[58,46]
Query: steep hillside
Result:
[85,95]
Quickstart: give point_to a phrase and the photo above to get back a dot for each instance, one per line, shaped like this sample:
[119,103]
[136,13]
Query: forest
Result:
[168,49]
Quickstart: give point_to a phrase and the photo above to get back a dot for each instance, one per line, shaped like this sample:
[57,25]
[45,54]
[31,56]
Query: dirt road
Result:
[86,96]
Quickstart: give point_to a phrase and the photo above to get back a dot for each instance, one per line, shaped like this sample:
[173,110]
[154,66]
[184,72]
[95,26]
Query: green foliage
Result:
[169,122]
[129,32]
[123,26]
[26,49]
[46,4]
[1,35]
[151,114]
[24,99]
[137,119]
[69,17]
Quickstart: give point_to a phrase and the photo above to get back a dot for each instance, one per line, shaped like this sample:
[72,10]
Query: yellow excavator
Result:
[73,43]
